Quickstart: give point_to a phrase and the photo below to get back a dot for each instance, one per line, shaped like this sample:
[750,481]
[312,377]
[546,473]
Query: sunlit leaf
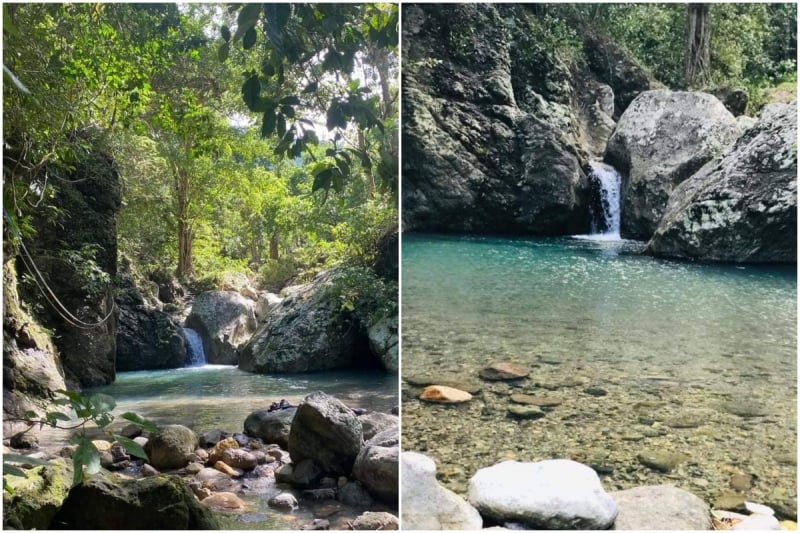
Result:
[140,421]
[85,455]
[132,447]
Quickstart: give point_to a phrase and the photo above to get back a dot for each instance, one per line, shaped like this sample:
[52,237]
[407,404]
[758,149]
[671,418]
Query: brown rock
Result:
[443,394]
[504,370]
[223,501]
[370,521]
[238,458]
[102,445]
[226,469]
[216,452]
[528,399]
[741,482]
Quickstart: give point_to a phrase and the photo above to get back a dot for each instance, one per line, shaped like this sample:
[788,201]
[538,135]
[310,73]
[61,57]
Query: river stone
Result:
[372,521]
[746,408]
[662,507]
[662,461]
[376,465]
[741,481]
[528,399]
[225,320]
[102,445]
[215,454]
[443,394]
[224,501]
[352,493]
[271,426]
[503,371]
[374,422]
[743,207]
[26,441]
[36,497]
[525,411]
[238,458]
[449,379]
[305,473]
[426,504]
[170,448]
[227,470]
[327,431]
[284,500]
[730,501]
[661,140]
[553,494]
[107,501]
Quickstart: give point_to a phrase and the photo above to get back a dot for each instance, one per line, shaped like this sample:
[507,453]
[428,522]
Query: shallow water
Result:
[665,340]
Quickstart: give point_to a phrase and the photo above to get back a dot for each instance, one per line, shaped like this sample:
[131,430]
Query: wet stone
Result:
[526,412]
[745,408]
[686,420]
[444,394]
[529,399]
[595,391]
[661,461]
[741,482]
[503,371]
[730,501]
[449,379]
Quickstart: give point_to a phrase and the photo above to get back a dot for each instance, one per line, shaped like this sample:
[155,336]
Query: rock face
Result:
[225,320]
[661,140]
[326,431]
[555,494]
[37,497]
[85,227]
[170,448]
[496,131]
[376,465]
[383,342]
[106,502]
[307,332]
[660,507]
[147,338]
[271,427]
[742,208]
[426,504]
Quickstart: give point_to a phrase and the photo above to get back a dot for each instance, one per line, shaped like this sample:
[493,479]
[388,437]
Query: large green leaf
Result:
[226,33]
[223,51]
[247,18]
[250,92]
[249,38]
[139,421]
[85,455]
[133,448]
[268,124]
[323,180]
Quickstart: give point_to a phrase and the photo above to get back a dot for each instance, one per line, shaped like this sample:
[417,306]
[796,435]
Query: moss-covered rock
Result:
[37,497]
[107,501]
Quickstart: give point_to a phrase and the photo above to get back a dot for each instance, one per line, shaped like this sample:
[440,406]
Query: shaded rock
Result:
[660,507]
[615,67]
[555,494]
[352,493]
[733,98]
[376,465]
[504,371]
[108,502]
[442,394]
[595,391]
[318,524]
[37,497]
[131,431]
[326,431]
[387,262]
[374,422]
[741,481]
[210,438]
[26,441]
[223,501]
[194,468]
[371,521]
[428,505]
[238,458]
[661,140]
[525,411]
[225,320]
[305,473]
[743,207]
[270,426]
[149,470]
[319,494]
[284,500]
[383,342]
[170,448]
[662,461]
[266,301]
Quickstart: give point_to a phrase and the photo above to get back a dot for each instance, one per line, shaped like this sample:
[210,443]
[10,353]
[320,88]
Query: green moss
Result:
[36,497]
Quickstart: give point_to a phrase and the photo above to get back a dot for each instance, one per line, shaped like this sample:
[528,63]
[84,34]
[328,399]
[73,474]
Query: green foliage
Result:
[358,290]
[96,409]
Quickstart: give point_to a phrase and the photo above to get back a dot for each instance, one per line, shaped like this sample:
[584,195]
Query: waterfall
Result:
[195,356]
[605,224]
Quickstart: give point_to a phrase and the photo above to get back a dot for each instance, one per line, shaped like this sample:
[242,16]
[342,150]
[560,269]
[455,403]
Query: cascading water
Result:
[605,224]
[195,355]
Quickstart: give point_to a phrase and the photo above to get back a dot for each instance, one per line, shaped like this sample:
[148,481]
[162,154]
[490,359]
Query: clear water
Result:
[664,339]
[195,354]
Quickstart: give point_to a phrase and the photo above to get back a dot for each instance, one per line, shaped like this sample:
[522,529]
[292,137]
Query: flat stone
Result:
[662,507]
[661,461]
[525,411]
[686,420]
[595,391]
[554,494]
[450,379]
[730,501]
[741,481]
[529,399]
[284,500]
[226,469]
[746,408]
[444,394]
[223,501]
[503,371]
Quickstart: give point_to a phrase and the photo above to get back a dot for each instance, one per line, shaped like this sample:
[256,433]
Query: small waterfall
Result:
[195,355]
[605,224]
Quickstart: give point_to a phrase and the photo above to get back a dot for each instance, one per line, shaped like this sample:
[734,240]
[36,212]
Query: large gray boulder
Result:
[554,494]
[376,466]
[271,426]
[429,506]
[225,320]
[169,449]
[660,507]
[742,208]
[327,432]
[383,342]
[308,331]
[661,140]
[109,502]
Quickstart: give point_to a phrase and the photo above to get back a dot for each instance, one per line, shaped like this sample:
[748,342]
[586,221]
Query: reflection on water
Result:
[662,338]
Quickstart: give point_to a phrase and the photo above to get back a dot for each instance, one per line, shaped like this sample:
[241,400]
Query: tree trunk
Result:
[185,267]
[273,246]
[698,51]
[368,176]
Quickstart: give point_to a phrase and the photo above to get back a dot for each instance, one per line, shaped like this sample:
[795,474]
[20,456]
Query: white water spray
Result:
[194,348]
[610,183]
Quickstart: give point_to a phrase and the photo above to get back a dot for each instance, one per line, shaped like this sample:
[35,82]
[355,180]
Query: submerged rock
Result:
[555,494]
[224,501]
[663,507]
[442,394]
[661,140]
[662,461]
[503,371]
[742,208]
[428,505]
